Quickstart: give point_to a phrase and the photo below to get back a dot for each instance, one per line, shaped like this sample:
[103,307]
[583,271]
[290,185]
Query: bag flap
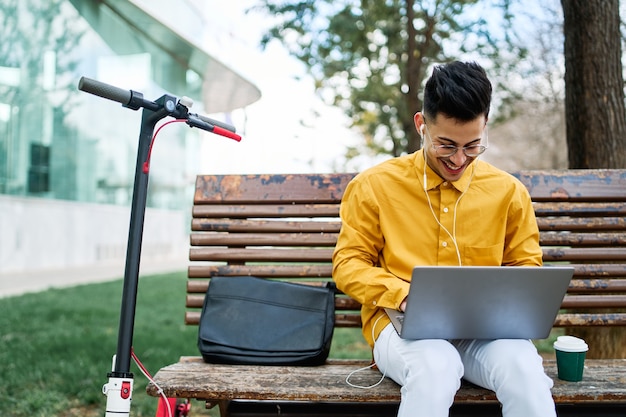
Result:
[261,315]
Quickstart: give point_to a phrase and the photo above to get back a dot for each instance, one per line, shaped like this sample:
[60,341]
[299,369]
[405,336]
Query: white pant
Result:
[430,373]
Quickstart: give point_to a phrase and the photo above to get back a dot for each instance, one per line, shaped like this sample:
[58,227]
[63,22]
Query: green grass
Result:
[56,346]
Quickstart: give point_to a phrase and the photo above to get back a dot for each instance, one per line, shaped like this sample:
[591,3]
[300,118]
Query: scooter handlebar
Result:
[217,123]
[104,90]
[134,100]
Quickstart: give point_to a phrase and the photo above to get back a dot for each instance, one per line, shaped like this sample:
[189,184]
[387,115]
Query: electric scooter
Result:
[119,388]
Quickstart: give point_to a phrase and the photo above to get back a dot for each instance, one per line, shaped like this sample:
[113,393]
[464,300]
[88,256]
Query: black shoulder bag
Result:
[248,320]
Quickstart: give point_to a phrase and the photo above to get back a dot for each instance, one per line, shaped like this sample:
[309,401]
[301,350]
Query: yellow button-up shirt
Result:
[388,227]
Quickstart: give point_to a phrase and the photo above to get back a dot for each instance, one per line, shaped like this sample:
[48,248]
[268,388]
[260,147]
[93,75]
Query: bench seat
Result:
[191,377]
[316,389]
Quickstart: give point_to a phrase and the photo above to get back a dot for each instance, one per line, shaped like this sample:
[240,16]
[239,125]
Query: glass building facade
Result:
[67,158]
[59,143]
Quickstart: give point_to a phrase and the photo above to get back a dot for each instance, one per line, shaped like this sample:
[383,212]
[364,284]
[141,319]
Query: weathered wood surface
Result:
[604,380]
[552,185]
[286,226]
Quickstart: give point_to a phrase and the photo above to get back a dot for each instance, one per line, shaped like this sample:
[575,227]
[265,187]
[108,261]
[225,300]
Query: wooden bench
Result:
[285,226]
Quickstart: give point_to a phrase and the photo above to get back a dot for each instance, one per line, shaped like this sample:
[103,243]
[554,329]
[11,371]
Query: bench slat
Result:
[588,209]
[545,185]
[599,270]
[242,189]
[264,239]
[591,319]
[597,285]
[542,209]
[582,239]
[575,184]
[562,320]
[263,271]
[595,273]
[556,224]
[260,255]
[594,301]
[267,210]
[570,301]
[584,254]
[604,380]
[266,226]
[324,255]
[197,286]
[590,224]
[546,224]
[318,238]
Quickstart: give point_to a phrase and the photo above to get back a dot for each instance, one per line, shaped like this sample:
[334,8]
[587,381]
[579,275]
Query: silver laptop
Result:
[472,302]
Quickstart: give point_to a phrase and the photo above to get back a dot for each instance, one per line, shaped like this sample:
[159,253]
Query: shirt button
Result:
[445,183]
[373,302]
[444,244]
[445,209]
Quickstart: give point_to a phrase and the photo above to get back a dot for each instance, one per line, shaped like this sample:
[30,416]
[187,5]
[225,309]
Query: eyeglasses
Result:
[445,151]
[470,151]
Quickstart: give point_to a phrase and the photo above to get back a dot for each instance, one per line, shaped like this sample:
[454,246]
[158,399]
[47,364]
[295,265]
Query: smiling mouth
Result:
[451,167]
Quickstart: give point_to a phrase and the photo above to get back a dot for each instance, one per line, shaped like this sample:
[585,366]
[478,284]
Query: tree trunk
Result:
[594,85]
[595,115]
[413,71]
[604,342]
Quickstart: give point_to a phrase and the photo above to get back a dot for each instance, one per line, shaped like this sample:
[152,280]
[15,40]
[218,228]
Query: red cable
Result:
[138,362]
[146,164]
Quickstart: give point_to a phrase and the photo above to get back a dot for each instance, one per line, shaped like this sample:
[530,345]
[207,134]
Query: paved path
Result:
[12,284]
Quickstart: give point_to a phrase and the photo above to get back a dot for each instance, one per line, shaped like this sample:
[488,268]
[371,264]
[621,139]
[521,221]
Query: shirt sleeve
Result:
[356,267]
[522,233]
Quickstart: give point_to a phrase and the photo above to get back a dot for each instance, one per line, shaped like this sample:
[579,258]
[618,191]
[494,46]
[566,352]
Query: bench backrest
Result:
[286,226]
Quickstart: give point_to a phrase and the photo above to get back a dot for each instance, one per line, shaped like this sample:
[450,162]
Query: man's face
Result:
[442,135]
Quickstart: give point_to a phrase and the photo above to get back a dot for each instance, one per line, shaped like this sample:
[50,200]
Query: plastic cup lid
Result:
[570,344]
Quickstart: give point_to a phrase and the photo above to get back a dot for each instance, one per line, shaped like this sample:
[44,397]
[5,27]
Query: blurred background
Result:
[310,91]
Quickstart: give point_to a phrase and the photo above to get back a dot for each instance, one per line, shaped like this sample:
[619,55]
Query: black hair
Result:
[459,90]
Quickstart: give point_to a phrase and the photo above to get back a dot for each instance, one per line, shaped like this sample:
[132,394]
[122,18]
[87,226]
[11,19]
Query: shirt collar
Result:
[433,180]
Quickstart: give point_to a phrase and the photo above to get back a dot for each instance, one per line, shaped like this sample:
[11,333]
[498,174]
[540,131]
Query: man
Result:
[441,206]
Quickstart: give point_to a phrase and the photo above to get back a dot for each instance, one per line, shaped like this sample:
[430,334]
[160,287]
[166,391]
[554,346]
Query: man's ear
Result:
[418,119]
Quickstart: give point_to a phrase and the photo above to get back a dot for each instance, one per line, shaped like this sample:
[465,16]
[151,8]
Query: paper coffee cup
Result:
[570,357]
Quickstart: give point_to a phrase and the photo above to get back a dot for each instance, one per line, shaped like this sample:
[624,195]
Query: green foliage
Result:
[30,29]
[374,55]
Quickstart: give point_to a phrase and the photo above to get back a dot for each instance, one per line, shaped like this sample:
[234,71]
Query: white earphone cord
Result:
[458,254]
[382,378]
[453,234]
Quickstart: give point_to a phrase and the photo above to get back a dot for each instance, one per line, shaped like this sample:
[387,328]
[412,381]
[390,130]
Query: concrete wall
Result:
[41,234]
